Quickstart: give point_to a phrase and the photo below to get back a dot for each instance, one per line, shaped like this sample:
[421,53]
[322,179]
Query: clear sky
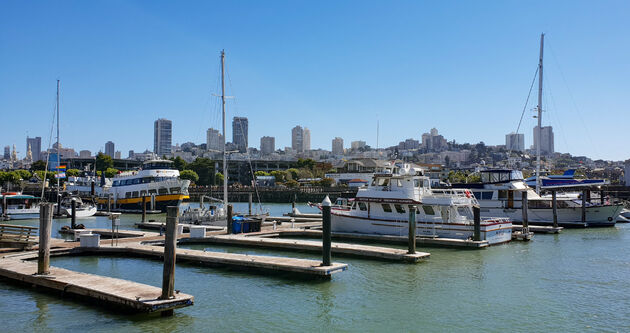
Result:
[464,67]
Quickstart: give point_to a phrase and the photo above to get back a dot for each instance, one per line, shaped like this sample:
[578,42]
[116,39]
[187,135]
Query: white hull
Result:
[572,216]
[81,212]
[494,233]
[23,214]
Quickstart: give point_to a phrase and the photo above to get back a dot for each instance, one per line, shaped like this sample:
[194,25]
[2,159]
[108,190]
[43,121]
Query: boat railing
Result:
[455,193]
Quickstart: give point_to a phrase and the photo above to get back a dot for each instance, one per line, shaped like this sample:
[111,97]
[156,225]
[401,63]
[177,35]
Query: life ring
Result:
[467,192]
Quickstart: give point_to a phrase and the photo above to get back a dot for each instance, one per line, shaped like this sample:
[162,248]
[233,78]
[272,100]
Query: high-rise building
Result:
[239,133]
[433,141]
[515,142]
[109,149]
[36,147]
[546,140]
[162,137]
[267,145]
[357,145]
[409,144]
[117,155]
[337,146]
[214,139]
[297,139]
[7,153]
[85,154]
[307,139]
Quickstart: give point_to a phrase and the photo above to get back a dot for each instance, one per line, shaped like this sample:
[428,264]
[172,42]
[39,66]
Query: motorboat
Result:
[82,209]
[214,214]
[566,180]
[18,206]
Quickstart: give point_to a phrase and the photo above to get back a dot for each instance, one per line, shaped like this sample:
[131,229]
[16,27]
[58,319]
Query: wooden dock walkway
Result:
[116,293]
[304,267]
[354,250]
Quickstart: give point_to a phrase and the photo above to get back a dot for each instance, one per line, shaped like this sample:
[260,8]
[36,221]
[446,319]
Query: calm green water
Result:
[575,281]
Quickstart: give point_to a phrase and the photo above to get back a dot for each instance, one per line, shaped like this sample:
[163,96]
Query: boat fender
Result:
[467,192]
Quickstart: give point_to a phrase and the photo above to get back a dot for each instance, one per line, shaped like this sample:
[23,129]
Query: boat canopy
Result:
[157,164]
[500,176]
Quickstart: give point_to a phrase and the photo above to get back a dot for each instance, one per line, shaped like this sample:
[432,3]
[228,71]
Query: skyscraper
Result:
[7,153]
[515,142]
[36,147]
[214,139]
[337,146]
[267,145]
[307,139]
[109,149]
[239,133]
[546,140]
[297,139]
[162,137]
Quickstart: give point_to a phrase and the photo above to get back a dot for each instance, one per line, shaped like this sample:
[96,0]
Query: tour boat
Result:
[499,195]
[383,208]
[158,181]
[19,206]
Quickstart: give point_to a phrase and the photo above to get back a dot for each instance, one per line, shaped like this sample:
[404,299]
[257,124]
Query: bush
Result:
[190,175]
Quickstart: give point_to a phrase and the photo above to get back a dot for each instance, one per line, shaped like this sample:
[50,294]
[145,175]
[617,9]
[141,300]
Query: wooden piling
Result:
[554,205]
[170,244]
[58,204]
[144,208]
[152,201]
[326,231]
[250,203]
[45,226]
[73,220]
[477,221]
[583,206]
[92,190]
[524,207]
[229,219]
[412,230]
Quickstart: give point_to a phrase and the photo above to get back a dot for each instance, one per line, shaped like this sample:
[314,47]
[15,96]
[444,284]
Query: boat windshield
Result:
[499,176]
[153,165]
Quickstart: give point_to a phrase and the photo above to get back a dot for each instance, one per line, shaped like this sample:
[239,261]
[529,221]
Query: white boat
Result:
[158,180]
[383,208]
[82,209]
[19,206]
[214,214]
[499,195]
[82,186]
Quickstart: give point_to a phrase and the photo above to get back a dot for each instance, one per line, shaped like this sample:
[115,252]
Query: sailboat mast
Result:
[58,148]
[539,131]
[225,175]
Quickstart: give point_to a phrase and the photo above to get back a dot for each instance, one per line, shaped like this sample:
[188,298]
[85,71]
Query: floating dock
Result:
[160,225]
[354,250]
[538,229]
[116,293]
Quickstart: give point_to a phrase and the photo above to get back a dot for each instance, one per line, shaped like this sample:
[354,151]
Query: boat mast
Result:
[58,148]
[539,131]
[225,176]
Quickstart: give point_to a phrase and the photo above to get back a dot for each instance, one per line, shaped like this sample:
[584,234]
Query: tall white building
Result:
[337,146]
[109,149]
[307,139]
[515,142]
[357,144]
[36,147]
[162,137]
[214,139]
[546,140]
[267,145]
[298,140]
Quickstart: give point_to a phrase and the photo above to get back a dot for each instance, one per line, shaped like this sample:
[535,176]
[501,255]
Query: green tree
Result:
[281,176]
[24,174]
[204,168]
[326,182]
[38,165]
[190,175]
[218,178]
[261,173]
[179,163]
[73,173]
[104,162]
[13,177]
[306,163]
[292,183]
[111,172]
[292,173]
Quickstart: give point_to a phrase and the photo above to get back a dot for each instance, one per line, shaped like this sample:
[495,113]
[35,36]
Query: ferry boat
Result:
[499,195]
[19,206]
[383,208]
[158,180]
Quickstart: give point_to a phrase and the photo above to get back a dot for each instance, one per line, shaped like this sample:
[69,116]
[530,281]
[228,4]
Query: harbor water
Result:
[574,281]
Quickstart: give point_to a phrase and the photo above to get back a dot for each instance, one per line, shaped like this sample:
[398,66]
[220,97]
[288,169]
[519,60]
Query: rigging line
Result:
[557,63]
[554,115]
[525,106]
[52,126]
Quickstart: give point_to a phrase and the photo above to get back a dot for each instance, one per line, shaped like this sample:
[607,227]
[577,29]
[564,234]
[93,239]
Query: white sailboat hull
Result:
[81,212]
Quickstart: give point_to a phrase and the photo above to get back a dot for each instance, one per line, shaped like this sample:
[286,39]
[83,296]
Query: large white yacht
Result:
[383,208]
[157,180]
[499,195]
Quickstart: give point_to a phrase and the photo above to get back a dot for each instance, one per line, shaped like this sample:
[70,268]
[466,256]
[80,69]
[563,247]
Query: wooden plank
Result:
[102,290]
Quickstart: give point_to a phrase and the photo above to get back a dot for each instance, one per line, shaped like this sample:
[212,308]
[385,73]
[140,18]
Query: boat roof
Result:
[19,196]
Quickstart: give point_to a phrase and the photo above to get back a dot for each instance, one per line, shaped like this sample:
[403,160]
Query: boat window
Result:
[134,194]
[427,184]
[428,210]
[383,182]
[163,190]
[387,208]
[143,193]
[465,212]
[416,183]
[116,183]
[354,205]
[362,206]
[152,191]
[503,194]
[136,181]
[128,195]
[477,195]
[399,208]
[174,190]
[396,182]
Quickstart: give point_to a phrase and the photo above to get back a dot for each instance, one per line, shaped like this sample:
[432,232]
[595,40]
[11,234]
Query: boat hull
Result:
[493,232]
[596,216]
[80,213]
[23,214]
[161,202]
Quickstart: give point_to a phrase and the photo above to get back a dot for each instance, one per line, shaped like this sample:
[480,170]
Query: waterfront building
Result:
[162,136]
[109,149]
[337,146]
[357,145]
[239,133]
[85,154]
[267,145]
[214,139]
[546,140]
[515,142]
[7,153]
[36,147]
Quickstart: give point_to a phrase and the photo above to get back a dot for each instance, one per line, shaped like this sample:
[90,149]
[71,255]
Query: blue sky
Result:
[464,67]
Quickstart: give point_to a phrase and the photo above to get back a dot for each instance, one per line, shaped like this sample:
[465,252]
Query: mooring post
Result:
[524,211]
[170,244]
[229,219]
[92,191]
[477,221]
[412,229]
[45,226]
[58,204]
[326,231]
[152,201]
[583,206]
[73,220]
[144,208]
[4,205]
[554,205]
[250,203]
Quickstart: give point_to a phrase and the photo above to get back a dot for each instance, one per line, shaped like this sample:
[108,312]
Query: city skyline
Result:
[286,80]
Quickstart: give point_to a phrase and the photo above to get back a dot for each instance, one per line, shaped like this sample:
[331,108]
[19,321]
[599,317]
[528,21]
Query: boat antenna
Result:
[225,176]
[539,107]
